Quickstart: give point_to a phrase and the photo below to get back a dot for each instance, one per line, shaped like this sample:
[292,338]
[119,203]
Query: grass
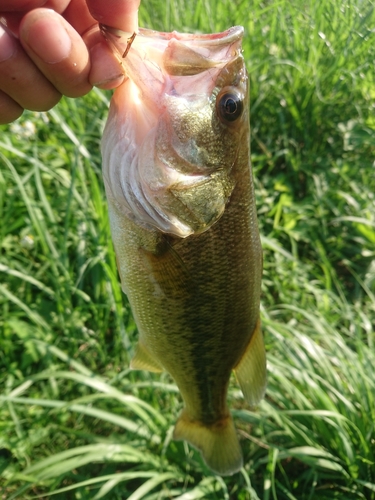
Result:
[75,423]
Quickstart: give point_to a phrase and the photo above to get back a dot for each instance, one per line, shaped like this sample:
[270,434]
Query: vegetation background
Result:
[75,423]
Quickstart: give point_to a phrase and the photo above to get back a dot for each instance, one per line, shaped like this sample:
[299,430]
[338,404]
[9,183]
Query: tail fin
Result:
[218,443]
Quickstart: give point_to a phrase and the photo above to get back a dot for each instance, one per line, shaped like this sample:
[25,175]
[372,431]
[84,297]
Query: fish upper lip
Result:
[211,41]
[225,37]
[228,36]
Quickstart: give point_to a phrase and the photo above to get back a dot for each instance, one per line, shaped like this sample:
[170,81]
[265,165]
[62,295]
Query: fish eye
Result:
[229,105]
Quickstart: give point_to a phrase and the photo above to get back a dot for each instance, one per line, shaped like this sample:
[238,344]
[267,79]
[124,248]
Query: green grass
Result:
[75,423]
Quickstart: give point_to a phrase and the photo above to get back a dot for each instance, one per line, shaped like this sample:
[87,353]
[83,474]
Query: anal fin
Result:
[251,371]
[143,360]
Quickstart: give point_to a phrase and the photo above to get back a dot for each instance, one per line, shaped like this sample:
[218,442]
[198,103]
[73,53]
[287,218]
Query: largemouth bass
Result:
[176,167]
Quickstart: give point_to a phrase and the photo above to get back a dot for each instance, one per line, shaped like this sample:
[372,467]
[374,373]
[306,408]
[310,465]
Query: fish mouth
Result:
[156,60]
[176,54]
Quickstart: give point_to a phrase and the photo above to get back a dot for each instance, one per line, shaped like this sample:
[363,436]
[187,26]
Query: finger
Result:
[78,15]
[121,14]
[21,80]
[18,5]
[57,5]
[13,14]
[9,109]
[11,21]
[57,50]
[106,71]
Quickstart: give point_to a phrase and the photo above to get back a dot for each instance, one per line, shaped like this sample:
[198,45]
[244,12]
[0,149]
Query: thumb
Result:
[120,14]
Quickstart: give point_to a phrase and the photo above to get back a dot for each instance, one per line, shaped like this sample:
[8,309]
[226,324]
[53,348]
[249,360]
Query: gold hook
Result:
[111,33]
[129,44]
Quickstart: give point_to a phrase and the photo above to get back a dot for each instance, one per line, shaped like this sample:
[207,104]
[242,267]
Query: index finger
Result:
[120,14]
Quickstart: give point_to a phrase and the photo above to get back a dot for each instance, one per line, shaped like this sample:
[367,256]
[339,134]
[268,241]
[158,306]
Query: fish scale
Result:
[188,248]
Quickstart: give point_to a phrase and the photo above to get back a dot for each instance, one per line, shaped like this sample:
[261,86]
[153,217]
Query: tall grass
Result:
[75,423]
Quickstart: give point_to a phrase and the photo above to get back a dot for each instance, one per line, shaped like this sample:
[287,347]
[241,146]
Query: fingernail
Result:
[110,83]
[106,72]
[8,45]
[49,39]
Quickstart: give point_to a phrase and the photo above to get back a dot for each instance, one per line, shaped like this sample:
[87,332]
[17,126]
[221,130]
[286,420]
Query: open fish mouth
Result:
[150,57]
[122,40]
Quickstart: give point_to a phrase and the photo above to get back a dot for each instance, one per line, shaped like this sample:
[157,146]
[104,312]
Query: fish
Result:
[180,193]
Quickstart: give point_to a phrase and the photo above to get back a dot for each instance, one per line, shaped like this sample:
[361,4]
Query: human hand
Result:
[50,48]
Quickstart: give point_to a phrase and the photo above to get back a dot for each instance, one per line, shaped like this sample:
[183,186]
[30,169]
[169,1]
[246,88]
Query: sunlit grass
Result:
[75,423]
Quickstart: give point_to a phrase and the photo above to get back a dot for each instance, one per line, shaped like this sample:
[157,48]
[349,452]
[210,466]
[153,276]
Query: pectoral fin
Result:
[251,371]
[167,270]
[143,360]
